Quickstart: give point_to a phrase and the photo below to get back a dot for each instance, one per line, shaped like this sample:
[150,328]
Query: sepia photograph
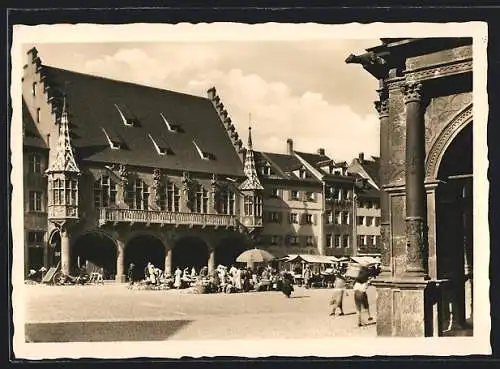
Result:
[228,189]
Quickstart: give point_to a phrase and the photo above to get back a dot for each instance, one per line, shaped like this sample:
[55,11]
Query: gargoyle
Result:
[369,58]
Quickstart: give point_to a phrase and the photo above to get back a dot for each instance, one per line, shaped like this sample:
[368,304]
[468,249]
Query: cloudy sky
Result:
[297,89]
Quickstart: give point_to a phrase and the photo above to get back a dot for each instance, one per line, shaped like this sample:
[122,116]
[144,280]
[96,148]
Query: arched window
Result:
[201,200]
[104,192]
[227,200]
[170,196]
[138,195]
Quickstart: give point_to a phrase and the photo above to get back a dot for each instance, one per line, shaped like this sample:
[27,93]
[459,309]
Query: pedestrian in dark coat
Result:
[287,286]
[130,273]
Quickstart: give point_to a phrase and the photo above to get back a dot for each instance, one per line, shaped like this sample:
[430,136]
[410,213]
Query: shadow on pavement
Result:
[103,331]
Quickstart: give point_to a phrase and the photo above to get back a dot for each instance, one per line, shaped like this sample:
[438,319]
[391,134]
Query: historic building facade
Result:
[117,173]
[425,111]
[308,203]
[367,209]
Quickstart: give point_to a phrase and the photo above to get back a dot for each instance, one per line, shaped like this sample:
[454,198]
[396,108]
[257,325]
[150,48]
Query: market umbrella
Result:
[255,256]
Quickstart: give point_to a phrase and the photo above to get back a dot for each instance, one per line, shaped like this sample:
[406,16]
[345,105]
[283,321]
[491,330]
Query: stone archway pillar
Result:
[120,261]
[416,263]
[382,107]
[168,260]
[65,249]
[211,260]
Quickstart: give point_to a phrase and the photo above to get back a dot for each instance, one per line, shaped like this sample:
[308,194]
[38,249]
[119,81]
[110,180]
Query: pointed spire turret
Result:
[252,182]
[65,158]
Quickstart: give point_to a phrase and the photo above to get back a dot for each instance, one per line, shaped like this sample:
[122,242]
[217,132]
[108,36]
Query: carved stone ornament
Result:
[386,250]
[415,246]
[369,58]
[123,173]
[156,179]
[412,91]
[382,107]
[188,189]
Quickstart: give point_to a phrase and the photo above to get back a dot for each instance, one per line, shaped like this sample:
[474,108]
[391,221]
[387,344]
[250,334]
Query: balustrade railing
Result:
[165,217]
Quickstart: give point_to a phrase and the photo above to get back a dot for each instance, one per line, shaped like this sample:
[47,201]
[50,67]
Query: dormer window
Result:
[113,141]
[266,170]
[203,154]
[128,118]
[160,145]
[171,127]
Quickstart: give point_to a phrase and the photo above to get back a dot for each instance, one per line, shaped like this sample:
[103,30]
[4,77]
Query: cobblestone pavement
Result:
[114,312]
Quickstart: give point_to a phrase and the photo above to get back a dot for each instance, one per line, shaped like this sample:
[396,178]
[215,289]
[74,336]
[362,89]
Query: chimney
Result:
[361,157]
[289,146]
[321,151]
[211,93]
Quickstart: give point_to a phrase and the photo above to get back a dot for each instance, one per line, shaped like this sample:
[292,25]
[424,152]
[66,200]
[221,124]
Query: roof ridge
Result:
[122,82]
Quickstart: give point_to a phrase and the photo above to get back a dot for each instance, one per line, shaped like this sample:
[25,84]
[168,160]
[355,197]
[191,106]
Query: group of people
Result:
[360,288]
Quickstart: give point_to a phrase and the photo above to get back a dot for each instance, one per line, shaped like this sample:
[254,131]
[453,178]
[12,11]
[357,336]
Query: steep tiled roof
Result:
[31,137]
[284,165]
[372,168]
[313,159]
[97,108]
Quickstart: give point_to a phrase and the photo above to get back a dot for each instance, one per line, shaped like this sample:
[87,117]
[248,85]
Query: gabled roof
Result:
[372,168]
[284,166]
[92,105]
[32,136]
[313,159]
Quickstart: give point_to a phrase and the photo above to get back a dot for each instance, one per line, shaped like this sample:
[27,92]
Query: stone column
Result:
[416,257]
[65,249]
[120,261]
[211,260]
[168,260]
[382,107]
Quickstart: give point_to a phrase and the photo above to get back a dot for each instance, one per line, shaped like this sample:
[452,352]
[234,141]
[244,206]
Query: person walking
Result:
[338,295]
[287,285]
[307,276]
[177,278]
[130,273]
[360,296]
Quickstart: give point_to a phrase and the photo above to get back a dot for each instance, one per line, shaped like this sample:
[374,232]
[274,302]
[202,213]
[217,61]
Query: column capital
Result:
[412,91]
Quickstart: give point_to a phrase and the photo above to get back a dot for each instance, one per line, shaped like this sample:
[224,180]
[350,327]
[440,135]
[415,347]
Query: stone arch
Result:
[143,247]
[228,248]
[190,250]
[97,251]
[444,139]
[53,247]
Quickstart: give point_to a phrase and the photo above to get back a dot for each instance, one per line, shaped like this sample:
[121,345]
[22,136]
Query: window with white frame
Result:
[363,240]
[338,217]
[302,173]
[310,196]
[275,192]
[266,169]
[201,200]
[274,217]
[170,197]
[360,220]
[35,201]
[35,163]
[309,219]
[294,218]
[345,217]
[329,216]
[104,192]
[328,240]
[226,203]
[345,240]
[337,240]
[248,204]
[35,237]
[374,240]
[138,195]
[293,240]
[275,239]
[340,194]
[295,195]
[309,240]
